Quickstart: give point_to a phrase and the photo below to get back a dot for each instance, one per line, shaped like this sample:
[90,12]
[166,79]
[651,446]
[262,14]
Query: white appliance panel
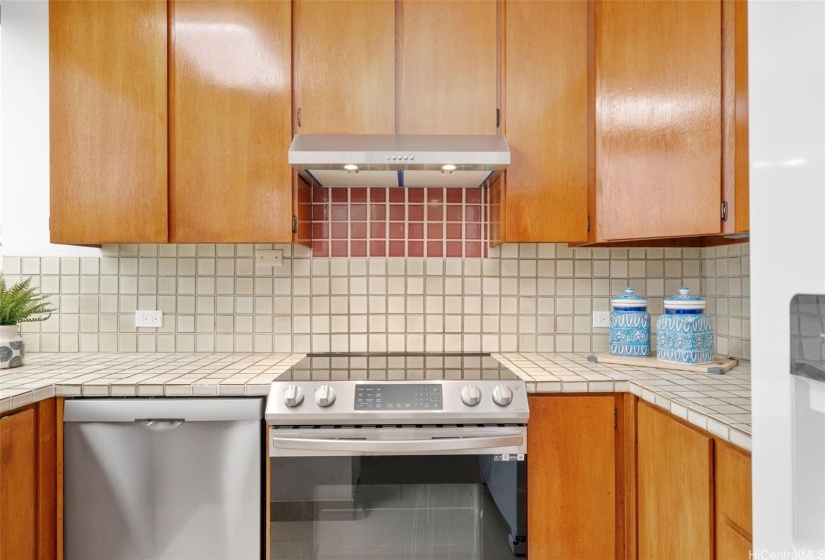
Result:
[787,206]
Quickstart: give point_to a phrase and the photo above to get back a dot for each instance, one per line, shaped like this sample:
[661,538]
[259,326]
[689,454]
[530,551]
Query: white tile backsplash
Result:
[726,285]
[525,298]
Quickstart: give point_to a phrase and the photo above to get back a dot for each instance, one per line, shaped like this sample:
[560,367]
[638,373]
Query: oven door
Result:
[398,492]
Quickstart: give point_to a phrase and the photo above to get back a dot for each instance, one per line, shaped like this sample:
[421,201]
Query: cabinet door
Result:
[108,122]
[345,66]
[571,477]
[448,67]
[231,126]
[49,485]
[674,488]
[735,144]
[658,118]
[18,485]
[733,503]
[546,121]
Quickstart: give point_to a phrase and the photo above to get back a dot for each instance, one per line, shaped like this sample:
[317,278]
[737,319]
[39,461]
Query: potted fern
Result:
[19,304]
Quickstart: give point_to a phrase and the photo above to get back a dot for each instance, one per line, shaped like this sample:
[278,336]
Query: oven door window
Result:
[461,507]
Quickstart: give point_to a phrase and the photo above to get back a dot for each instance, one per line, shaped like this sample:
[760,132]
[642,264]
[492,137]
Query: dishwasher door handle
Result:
[400,446]
[160,424]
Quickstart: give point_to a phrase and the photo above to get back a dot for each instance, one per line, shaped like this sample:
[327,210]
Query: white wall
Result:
[787,205]
[24,131]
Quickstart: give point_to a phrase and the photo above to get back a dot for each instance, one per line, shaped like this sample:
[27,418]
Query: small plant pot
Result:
[12,347]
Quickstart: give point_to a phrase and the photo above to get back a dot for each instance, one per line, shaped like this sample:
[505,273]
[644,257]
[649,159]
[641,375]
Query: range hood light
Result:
[351,167]
[449,168]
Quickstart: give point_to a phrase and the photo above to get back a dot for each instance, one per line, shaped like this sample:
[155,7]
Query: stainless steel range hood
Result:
[386,160]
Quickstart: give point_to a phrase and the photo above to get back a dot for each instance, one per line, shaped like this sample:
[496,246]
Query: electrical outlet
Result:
[269,257]
[152,319]
[601,319]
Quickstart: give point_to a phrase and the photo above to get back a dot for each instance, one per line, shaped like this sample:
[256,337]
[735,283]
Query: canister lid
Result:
[629,299]
[684,301]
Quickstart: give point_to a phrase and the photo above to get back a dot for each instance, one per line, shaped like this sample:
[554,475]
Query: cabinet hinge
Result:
[615,419]
[724,210]
[498,118]
[294,224]
[588,223]
[299,117]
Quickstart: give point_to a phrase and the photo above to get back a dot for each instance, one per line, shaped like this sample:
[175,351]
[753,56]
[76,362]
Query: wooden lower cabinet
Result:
[18,484]
[693,491]
[733,503]
[732,544]
[29,483]
[571,477]
[674,487]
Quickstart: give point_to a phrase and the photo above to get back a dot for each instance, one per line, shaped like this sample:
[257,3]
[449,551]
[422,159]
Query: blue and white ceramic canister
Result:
[684,334]
[629,325]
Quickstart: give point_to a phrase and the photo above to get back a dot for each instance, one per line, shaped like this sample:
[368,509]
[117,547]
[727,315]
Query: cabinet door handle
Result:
[160,424]
[399,447]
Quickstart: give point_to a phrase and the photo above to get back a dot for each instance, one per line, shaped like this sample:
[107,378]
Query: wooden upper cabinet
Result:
[674,488]
[344,57]
[108,121]
[230,92]
[344,76]
[735,144]
[447,80]
[658,128]
[546,121]
[571,477]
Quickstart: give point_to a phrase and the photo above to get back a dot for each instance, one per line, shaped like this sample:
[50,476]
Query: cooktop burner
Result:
[398,367]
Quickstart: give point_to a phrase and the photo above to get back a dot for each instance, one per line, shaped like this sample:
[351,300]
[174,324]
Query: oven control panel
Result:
[412,396]
[331,402]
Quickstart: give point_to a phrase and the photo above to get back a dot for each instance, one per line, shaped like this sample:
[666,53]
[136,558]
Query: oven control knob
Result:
[502,395]
[324,396]
[471,395]
[293,396]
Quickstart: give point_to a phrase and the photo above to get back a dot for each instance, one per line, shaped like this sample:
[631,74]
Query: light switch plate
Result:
[601,319]
[269,257]
[152,319]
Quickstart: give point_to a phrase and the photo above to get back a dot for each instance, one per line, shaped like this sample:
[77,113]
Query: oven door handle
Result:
[398,446]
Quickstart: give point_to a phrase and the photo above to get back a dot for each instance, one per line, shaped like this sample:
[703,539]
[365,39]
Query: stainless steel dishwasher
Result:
[163,478]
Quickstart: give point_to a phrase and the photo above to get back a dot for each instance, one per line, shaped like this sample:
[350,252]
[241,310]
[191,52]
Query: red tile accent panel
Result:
[399,222]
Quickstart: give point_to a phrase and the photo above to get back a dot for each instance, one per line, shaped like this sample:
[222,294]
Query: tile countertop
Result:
[719,404]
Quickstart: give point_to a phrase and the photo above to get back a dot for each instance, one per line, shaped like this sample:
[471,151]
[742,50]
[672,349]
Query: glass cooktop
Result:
[397,367]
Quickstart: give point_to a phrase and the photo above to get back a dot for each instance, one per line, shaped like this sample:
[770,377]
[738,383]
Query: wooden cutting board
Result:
[717,366]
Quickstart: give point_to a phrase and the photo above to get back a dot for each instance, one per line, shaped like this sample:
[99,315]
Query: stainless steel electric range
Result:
[398,456]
